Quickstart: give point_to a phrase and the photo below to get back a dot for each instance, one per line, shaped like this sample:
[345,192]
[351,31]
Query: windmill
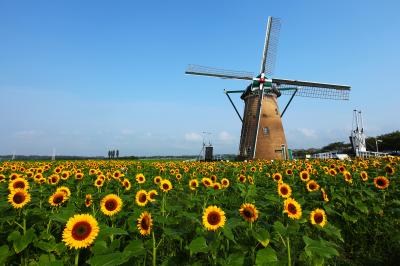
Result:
[262,134]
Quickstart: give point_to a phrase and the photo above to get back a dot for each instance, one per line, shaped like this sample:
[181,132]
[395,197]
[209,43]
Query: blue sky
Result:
[87,76]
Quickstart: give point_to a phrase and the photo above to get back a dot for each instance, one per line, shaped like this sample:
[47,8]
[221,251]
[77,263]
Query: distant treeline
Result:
[389,143]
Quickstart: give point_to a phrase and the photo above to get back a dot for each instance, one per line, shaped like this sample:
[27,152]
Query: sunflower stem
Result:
[48,226]
[77,258]
[154,250]
[24,224]
[288,248]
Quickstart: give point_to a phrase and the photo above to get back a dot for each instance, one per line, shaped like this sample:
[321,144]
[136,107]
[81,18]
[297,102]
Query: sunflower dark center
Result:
[213,218]
[58,199]
[248,213]
[19,184]
[145,223]
[292,208]
[19,198]
[304,176]
[380,182]
[54,179]
[81,230]
[111,204]
[318,218]
[284,190]
[165,186]
[142,197]
[312,186]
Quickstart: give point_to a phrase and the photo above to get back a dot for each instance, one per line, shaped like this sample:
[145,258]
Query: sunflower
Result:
[277,177]
[57,170]
[312,186]
[141,198]
[389,169]
[144,223]
[224,182]
[289,171]
[332,172]
[213,218]
[65,190]
[2,178]
[57,198]
[206,181]
[151,195]
[304,176]
[54,179]
[18,198]
[65,175]
[324,195]
[284,190]
[126,184]
[157,180]
[37,177]
[117,175]
[318,217]
[193,184]
[79,176]
[347,177]
[140,178]
[99,182]
[381,182]
[249,212]
[242,179]
[19,182]
[13,176]
[88,200]
[29,174]
[178,176]
[364,175]
[216,186]
[251,181]
[342,168]
[111,204]
[81,231]
[165,185]
[292,208]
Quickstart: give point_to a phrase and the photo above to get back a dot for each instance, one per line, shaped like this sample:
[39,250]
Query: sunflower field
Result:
[115,212]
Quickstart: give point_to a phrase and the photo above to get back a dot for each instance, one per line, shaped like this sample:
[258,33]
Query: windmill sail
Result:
[267,65]
[270,46]
[218,72]
[312,89]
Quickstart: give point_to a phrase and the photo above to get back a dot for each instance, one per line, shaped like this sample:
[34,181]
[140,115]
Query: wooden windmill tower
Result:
[262,135]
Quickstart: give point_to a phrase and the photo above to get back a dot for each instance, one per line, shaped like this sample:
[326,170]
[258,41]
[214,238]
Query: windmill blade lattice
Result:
[312,89]
[218,72]
[271,46]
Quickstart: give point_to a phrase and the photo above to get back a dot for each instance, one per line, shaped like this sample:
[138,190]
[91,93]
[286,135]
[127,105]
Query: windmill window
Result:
[266,131]
[276,111]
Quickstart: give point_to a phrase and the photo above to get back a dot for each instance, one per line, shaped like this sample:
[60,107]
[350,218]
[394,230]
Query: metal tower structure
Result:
[357,136]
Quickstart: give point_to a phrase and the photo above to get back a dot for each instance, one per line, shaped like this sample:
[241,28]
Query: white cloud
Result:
[308,132]
[192,136]
[127,132]
[28,134]
[225,137]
